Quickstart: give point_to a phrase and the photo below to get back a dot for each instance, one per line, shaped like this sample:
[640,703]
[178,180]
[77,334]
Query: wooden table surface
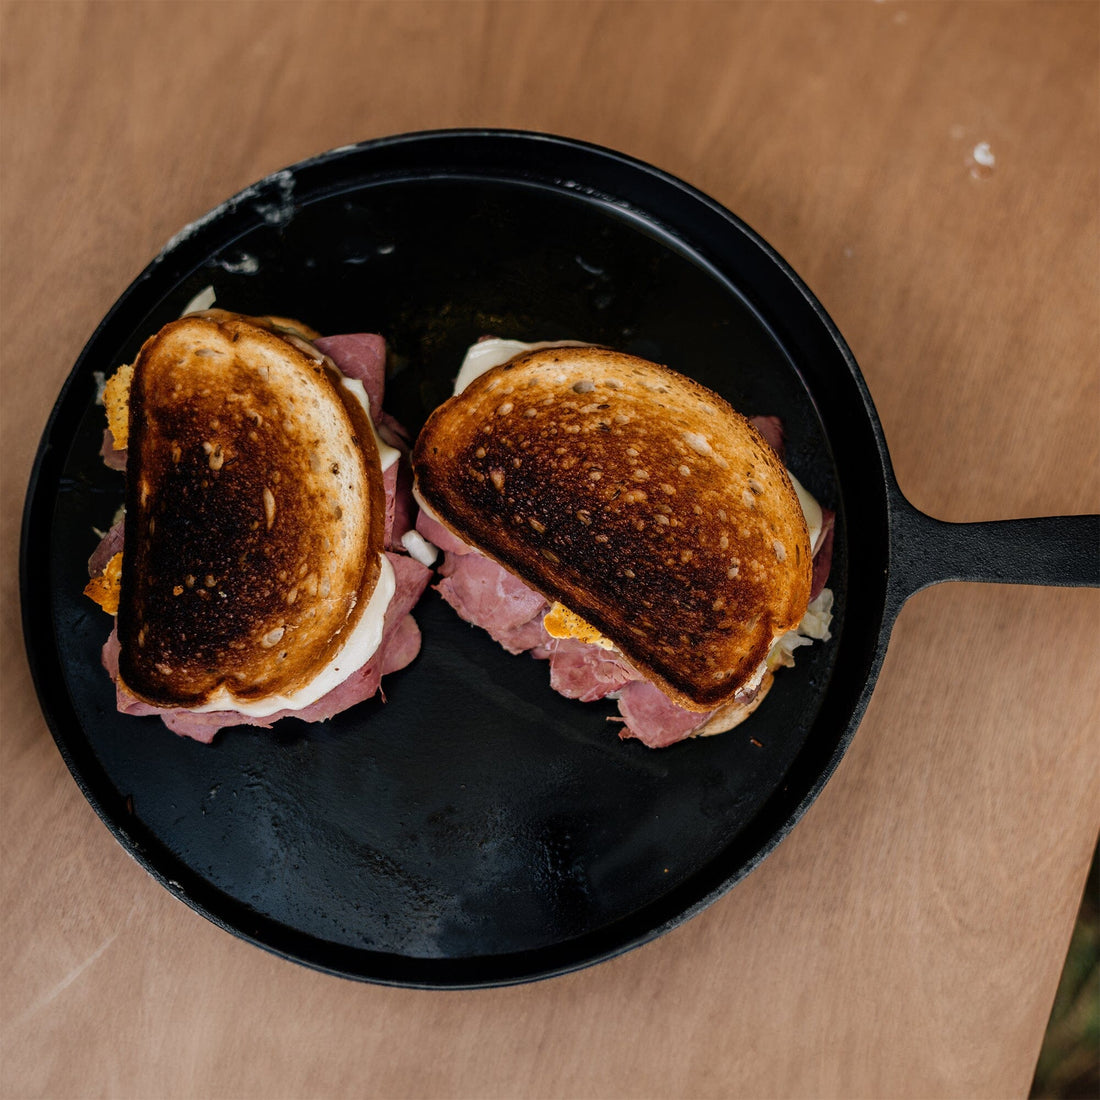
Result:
[907,938]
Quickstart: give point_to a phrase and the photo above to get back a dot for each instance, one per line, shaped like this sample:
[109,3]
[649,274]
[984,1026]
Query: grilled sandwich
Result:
[254,578]
[657,530]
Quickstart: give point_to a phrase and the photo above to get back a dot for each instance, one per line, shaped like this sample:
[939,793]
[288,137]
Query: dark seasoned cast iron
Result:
[476,828]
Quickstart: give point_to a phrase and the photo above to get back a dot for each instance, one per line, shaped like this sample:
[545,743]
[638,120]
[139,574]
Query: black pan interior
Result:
[475,828]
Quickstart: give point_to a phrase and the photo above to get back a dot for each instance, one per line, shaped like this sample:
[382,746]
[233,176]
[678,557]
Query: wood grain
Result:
[907,938]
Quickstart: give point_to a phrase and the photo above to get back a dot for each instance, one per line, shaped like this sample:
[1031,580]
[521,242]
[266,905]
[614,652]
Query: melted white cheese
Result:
[810,509]
[360,645]
[387,454]
[486,354]
[419,547]
[203,300]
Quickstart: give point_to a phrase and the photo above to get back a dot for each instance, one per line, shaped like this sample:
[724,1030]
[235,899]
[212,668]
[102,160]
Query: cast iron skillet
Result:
[477,829]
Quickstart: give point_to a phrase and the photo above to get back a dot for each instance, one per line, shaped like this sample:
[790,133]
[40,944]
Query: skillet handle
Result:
[1051,550]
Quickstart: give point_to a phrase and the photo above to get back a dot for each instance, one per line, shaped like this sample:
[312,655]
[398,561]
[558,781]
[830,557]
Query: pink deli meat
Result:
[487,595]
[113,459]
[579,670]
[771,428]
[436,533]
[361,356]
[653,718]
[823,553]
[400,506]
[109,545]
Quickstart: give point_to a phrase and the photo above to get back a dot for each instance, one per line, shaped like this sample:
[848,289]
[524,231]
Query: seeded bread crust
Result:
[255,514]
[637,498]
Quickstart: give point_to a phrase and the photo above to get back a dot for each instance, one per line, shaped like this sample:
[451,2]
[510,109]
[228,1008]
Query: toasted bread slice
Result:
[637,498]
[255,513]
